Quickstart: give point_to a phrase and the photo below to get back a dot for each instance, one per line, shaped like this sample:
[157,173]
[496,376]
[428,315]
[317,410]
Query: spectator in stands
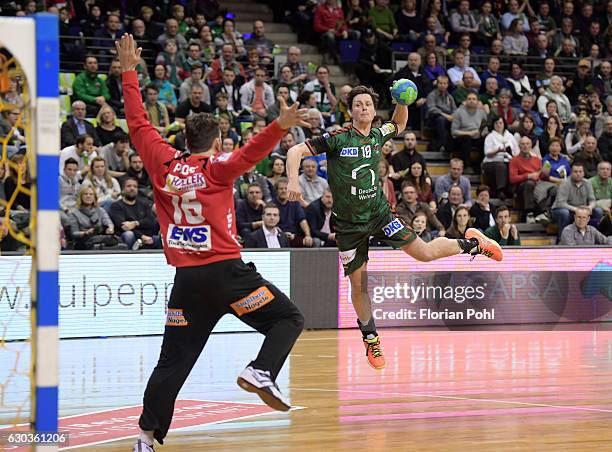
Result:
[409,22]
[541,49]
[10,133]
[492,71]
[286,143]
[193,57]
[195,78]
[603,79]
[115,90]
[580,82]
[455,73]
[257,96]
[207,44]
[231,36]
[602,186]
[504,232]
[567,50]
[329,22]
[564,34]
[136,171]
[253,64]
[298,69]
[249,211]
[324,90]
[174,61]
[546,21]
[412,71]
[106,37]
[269,235]
[292,217]
[580,233]
[432,68]
[318,215]
[573,193]
[422,182]
[69,186]
[172,32]
[258,41]
[489,98]
[555,92]
[553,129]
[543,78]
[588,157]
[500,147]
[281,91]
[90,88]
[462,20]
[526,109]
[315,118]
[440,109]
[506,110]
[467,127]
[89,225]
[166,93]
[436,22]
[584,19]
[154,28]
[134,219]
[383,21]
[226,60]
[116,155]
[11,96]
[408,207]
[574,140]
[518,81]
[106,187]
[107,130]
[403,160]
[277,164]
[515,12]
[312,186]
[527,128]
[482,213]
[459,224]
[515,42]
[430,46]
[193,104]
[420,226]
[497,48]
[593,38]
[242,184]
[605,140]
[143,38]
[446,211]
[83,152]
[468,86]
[373,63]
[18,175]
[225,129]
[222,107]
[287,78]
[386,183]
[525,172]
[453,177]
[156,110]
[488,25]
[231,87]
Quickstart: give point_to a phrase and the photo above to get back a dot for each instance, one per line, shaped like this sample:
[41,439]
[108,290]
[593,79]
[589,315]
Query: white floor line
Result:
[510,402]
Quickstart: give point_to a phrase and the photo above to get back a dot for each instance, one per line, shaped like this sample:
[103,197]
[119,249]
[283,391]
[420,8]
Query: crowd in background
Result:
[541,142]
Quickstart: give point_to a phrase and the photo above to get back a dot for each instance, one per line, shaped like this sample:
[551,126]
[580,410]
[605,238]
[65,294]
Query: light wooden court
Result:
[441,391]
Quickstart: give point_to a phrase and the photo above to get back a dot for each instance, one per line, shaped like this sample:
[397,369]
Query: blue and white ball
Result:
[404,91]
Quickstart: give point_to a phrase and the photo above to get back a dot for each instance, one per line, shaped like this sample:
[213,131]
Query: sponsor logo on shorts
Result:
[347,256]
[393,227]
[175,317]
[253,301]
[387,128]
[349,152]
[177,184]
[191,238]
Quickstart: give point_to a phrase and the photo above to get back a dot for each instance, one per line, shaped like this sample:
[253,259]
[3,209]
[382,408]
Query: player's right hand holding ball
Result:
[404,91]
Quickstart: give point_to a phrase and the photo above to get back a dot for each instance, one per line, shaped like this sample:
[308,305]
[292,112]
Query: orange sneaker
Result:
[486,246]
[374,353]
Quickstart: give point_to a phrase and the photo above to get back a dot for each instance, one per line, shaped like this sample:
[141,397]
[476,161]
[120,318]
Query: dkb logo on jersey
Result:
[192,238]
[349,152]
[393,227]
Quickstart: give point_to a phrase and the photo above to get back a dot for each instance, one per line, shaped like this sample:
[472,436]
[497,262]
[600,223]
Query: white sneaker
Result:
[259,382]
[137,244]
[543,219]
[141,446]
[530,218]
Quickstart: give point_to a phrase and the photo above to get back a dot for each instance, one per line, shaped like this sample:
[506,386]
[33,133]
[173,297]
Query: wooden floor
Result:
[441,391]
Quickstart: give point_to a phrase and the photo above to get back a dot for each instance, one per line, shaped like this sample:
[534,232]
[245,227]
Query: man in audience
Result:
[409,206]
[466,129]
[292,217]
[526,108]
[172,32]
[455,73]
[106,37]
[298,69]
[156,110]
[588,157]
[136,171]
[83,152]
[259,41]
[195,78]
[541,49]
[250,211]
[580,82]
[318,215]
[268,235]
[257,96]
[329,23]
[312,186]
[429,45]
[580,233]
[573,193]
[226,60]
[194,104]
[492,71]
[230,86]
[90,88]
[9,120]
[514,12]
[525,171]
[446,211]
[115,89]
[402,161]
[69,185]
[325,92]
[440,109]
[242,184]
[469,85]
[453,177]
[602,186]
[504,232]
[134,218]
[116,155]
[412,71]
[462,20]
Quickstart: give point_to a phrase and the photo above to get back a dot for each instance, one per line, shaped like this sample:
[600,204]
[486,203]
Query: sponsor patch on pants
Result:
[253,301]
[175,317]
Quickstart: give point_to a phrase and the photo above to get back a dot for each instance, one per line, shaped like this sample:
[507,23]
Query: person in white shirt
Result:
[455,74]
[312,186]
[269,235]
[499,148]
[83,152]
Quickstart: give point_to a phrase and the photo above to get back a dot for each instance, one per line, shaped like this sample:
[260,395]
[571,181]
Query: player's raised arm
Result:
[400,117]
[294,157]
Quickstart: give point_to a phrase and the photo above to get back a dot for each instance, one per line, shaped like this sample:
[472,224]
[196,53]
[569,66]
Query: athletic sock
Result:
[368,330]
[146,436]
[468,245]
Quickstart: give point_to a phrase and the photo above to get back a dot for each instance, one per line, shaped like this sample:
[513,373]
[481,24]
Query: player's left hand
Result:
[292,116]
[129,53]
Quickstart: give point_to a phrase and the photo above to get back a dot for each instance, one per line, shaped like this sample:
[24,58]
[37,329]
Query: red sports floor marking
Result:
[105,426]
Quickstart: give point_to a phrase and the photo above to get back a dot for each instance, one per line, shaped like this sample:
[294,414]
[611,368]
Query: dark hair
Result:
[270,205]
[362,90]
[122,137]
[482,188]
[408,183]
[575,164]
[201,129]
[132,155]
[221,95]
[125,181]
[501,208]
[70,161]
[497,118]
[152,87]
[81,138]
[304,96]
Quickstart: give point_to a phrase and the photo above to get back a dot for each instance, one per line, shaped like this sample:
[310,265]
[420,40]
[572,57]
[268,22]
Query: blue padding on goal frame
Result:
[47,182]
[47,55]
[46,409]
[47,308]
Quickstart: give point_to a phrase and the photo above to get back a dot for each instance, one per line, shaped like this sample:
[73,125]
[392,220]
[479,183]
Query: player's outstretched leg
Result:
[475,243]
[363,307]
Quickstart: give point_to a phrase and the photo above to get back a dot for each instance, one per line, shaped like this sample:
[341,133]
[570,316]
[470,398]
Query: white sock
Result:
[146,436]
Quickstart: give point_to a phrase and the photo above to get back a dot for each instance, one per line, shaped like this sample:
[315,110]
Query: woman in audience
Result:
[18,174]
[107,129]
[419,224]
[12,96]
[167,96]
[527,128]
[551,129]
[385,182]
[107,188]
[519,82]
[461,219]
[278,170]
[574,140]
[515,42]
[173,61]
[422,182]
[488,25]
[90,225]
[231,36]
[482,212]
[555,92]
[225,129]
[499,148]
[227,145]
[432,67]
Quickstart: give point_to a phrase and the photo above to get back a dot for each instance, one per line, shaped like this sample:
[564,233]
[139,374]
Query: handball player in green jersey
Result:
[361,210]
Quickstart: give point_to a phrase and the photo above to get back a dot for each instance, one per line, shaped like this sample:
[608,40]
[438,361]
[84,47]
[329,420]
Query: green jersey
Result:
[352,170]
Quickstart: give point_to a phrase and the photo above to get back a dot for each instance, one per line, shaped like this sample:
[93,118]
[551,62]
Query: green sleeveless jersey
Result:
[352,170]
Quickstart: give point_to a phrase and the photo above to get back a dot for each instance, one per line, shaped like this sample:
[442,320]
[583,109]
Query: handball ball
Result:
[404,91]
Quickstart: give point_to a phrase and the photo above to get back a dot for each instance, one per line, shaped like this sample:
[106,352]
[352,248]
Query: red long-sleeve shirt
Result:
[193,194]
[327,19]
[520,167]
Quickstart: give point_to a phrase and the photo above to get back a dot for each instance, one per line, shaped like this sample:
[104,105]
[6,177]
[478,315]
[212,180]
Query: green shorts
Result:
[353,238]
